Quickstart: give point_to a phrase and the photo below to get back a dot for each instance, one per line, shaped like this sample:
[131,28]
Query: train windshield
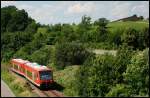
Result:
[45,75]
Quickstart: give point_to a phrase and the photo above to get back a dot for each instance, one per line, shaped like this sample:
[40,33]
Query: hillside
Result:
[132,18]
[138,25]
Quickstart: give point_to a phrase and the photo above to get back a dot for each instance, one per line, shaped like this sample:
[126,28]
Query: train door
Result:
[26,71]
[37,77]
[21,69]
[18,67]
[33,76]
[13,66]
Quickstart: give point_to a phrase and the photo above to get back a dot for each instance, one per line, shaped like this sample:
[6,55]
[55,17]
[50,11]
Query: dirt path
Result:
[101,51]
[5,90]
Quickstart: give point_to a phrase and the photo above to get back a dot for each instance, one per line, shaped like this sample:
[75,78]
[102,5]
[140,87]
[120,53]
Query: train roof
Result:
[33,65]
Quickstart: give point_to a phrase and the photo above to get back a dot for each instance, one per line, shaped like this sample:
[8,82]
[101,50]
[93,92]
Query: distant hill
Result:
[131,18]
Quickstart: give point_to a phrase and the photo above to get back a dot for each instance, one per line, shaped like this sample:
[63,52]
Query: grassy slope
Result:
[138,25]
[18,86]
[65,78]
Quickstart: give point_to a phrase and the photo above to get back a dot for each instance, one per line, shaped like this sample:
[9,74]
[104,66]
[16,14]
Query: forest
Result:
[59,46]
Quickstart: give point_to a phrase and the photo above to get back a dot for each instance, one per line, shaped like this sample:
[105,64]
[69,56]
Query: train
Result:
[39,75]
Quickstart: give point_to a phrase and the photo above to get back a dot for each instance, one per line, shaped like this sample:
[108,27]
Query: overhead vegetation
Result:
[62,45]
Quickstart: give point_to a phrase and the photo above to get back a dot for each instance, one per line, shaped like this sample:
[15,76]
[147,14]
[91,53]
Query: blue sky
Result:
[52,12]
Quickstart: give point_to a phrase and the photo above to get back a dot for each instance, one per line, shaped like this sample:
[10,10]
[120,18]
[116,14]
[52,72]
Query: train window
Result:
[45,75]
[16,67]
[29,74]
[21,69]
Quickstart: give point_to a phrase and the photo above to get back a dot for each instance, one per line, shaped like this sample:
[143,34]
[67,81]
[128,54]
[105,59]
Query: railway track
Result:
[41,93]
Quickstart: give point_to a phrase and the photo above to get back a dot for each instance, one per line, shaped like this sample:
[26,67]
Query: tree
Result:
[84,26]
[13,19]
[41,56]
[137,74]
[95,77]
[115,37]
[102,32]
[18,22]
[101,22]
[6,15]
[32,27]
[70,54]
[130,37]
[122,59]
[67,33]
[56,27]
[86,21]
[146,37]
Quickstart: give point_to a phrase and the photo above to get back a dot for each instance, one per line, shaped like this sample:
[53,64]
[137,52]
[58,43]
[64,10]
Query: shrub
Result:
[41,56]
[120,90]
[70,54]
[137,73]
[95,77]
[123,57]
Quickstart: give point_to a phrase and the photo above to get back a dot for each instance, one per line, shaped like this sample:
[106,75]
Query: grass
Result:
[138,25]
[65,78]
[18,86]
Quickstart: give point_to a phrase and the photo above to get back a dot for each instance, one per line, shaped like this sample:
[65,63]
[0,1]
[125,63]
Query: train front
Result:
[46,78]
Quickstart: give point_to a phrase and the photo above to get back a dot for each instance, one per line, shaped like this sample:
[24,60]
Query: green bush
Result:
[70,54]
[122,59]
[120,90]
[41,56]
[95,77]
[137,73]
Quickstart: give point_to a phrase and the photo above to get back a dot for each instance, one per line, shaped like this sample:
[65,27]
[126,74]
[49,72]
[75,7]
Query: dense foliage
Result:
[13,19]
[137,74]
[95,78]
[70,54]
[103,76]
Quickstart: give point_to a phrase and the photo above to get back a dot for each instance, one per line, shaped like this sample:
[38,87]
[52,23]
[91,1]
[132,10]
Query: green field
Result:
[138,25]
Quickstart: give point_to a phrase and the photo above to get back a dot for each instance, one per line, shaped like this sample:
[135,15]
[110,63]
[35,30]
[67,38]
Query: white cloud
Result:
[121,10]
[42,14]
[81,8]
[141,9]
[6,3]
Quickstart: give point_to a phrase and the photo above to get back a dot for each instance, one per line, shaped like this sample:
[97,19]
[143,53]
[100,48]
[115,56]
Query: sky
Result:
[52,12]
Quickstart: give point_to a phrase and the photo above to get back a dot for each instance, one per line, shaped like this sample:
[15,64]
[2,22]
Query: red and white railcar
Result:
[39,75]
